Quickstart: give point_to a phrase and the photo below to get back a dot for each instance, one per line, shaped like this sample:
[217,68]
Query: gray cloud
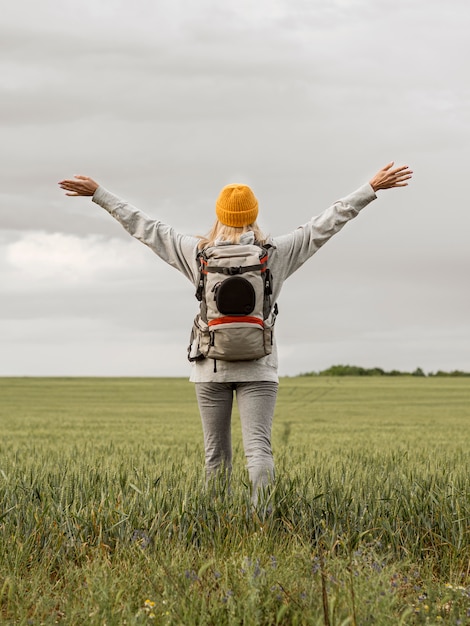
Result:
[303,100]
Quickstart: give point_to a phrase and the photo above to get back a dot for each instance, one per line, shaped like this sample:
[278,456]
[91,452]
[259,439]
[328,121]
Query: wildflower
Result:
[227,596]
[253,565]
[141,538]
[191,575]
[148,608]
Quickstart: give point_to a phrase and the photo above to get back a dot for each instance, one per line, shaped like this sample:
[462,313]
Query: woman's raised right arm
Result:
[176,249]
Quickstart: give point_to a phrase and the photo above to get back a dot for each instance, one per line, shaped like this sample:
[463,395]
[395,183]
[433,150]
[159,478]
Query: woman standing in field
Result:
[255,382]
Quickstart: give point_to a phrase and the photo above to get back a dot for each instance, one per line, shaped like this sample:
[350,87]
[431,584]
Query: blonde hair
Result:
[221,232]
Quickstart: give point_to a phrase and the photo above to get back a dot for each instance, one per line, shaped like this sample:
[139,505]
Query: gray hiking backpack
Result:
[236,318]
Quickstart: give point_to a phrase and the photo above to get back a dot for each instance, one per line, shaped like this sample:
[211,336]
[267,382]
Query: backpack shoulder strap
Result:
[202,262]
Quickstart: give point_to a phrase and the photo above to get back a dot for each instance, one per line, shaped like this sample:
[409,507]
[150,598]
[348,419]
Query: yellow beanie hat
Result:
[236,206]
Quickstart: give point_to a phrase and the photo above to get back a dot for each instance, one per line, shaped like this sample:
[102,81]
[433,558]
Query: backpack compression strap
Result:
[233,271]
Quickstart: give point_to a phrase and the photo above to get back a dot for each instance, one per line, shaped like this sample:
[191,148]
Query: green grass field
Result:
[105,518]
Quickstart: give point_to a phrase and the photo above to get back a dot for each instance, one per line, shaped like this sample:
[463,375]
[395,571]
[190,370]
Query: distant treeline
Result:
[355,370]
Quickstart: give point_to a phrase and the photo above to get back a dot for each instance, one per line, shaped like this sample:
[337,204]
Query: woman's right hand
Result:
[79,186]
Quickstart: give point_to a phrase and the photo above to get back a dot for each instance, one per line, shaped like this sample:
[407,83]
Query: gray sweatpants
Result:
[256,402]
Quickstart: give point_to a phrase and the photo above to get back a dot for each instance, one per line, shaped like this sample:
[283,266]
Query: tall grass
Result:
[105,517]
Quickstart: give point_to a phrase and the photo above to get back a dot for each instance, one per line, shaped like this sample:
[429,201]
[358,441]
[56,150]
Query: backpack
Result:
[236,319]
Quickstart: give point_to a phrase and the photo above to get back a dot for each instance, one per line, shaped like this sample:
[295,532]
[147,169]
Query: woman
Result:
[254,382]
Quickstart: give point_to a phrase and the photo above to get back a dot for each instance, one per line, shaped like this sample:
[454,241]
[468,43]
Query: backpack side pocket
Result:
[198,342]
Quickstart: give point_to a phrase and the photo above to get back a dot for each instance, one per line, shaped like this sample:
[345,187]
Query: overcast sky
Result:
[166,102]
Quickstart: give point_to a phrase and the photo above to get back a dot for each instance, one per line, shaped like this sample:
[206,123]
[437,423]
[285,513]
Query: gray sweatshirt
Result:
[288,253]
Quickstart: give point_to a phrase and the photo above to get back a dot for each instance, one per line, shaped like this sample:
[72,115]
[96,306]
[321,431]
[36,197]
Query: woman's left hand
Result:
[387,177]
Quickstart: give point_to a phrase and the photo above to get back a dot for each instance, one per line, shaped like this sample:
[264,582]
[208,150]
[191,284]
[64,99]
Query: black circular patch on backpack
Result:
[235,296]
